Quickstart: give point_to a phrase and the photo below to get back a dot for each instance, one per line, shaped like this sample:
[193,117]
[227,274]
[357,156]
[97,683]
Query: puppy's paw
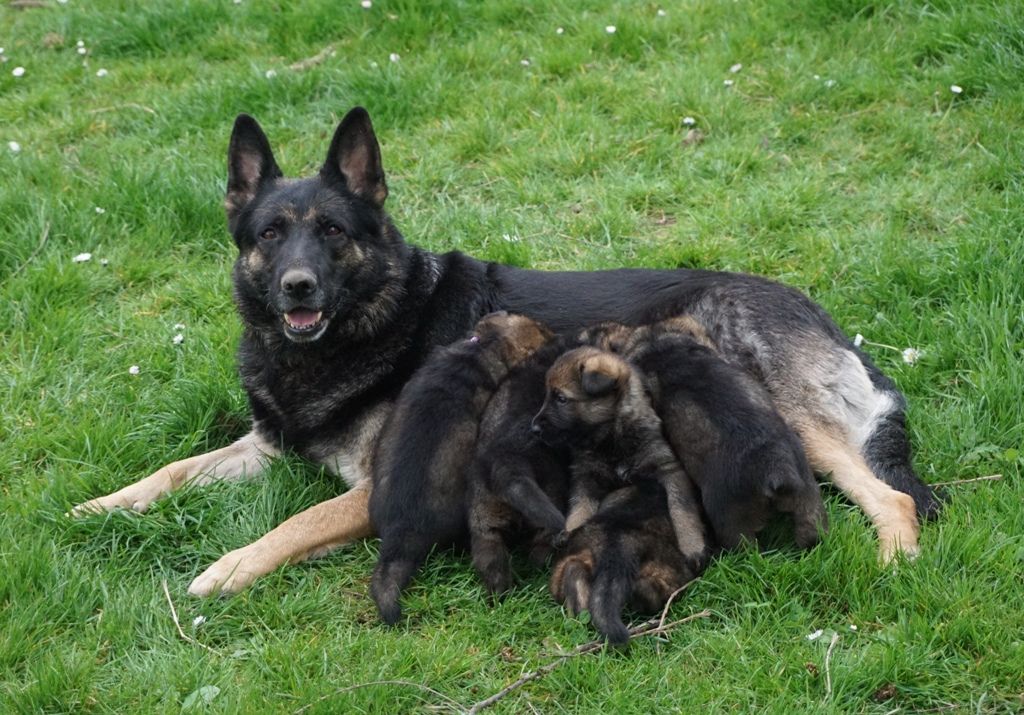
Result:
[136,497]
[231,573]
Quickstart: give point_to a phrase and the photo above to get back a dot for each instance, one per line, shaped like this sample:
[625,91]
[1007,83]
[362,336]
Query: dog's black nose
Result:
[298,283]
[535,428]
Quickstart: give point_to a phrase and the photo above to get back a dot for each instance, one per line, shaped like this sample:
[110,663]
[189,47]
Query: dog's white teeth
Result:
[301,319]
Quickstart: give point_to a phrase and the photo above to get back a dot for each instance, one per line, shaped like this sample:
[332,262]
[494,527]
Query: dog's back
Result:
[745,460]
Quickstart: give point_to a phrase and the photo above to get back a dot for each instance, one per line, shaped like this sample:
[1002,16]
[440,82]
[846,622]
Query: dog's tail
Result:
[399,560]
[612,585]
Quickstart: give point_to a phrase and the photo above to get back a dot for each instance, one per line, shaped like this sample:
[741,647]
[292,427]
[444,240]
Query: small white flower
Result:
[18,71]
[80,43]
[82,50]
[689,121]
[14,147]
[104,262]
[610,29]
[63,2]
[816,635]
[238,2]
[101,72]
[736,68]
[858,340]
[270,74]
[817,76]
[133,370]
[366,4]
[524,63]
[100,211]
[853,627]
[198,621]
[179,326]
[728,83]
[394,57]
[955,88]
[178,339]
[82,258]
[374,64]
[662,13]
[1,50]
[560,31]
[830,83]
[911,355]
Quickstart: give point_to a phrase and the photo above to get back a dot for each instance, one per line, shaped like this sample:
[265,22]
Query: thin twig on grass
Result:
[314,60]
[42,242]
[989,478]
[126,105]
[451,703]
[828,673]
[654,626]
[177,623]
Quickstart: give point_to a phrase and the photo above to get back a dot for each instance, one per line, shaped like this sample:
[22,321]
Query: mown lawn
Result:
[839,160]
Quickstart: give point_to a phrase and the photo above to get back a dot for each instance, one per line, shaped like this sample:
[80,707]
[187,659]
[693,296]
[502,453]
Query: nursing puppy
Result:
[419,489]
[595,404]
[624,554]
[746,462]
[518,485]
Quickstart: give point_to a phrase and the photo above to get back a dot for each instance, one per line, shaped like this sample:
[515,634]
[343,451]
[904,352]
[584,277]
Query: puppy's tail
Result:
[394,570]
[613,582]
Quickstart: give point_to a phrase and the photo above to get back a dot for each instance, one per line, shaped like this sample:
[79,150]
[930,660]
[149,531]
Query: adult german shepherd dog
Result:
[339,311]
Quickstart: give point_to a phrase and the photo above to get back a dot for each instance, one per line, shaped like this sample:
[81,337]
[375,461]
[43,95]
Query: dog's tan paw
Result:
[136,497]
[231,573]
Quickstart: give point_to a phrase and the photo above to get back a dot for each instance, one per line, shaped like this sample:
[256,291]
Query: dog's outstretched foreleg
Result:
[311,533]
[248,457]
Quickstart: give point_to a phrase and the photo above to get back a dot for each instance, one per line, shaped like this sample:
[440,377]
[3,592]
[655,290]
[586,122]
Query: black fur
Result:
[419,489]
[625,554]
[517,482]
[744,459]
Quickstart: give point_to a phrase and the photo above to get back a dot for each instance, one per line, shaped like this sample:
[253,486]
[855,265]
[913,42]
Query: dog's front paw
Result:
[136,497]
[231,573]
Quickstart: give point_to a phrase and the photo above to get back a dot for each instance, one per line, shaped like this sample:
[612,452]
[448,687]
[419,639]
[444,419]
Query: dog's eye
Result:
[333,230]
[269,234]
[560,398]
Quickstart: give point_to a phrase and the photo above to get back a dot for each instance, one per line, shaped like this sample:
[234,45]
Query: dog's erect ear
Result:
[354,157]
[250,163]
[598,376]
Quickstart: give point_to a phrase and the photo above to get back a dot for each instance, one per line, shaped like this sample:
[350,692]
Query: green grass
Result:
[839,162]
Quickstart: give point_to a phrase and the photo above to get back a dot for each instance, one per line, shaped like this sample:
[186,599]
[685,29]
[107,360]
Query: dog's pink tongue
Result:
[303,318]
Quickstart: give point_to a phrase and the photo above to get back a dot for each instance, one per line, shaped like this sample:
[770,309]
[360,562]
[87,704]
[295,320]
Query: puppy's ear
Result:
[354,157]
[250,164]
[598,376]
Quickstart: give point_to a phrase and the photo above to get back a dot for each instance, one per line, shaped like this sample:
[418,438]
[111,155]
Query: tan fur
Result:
[311,533]
[890,511]
[248,457]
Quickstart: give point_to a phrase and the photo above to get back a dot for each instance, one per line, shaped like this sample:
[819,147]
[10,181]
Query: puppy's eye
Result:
[269,234]
[560,398]
[333,230]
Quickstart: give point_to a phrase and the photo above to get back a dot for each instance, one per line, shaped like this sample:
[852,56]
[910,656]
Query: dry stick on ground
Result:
[451,703]
[989,478]
[126,105]
[648,628]
[42,242]
[828,674]
[177,623]
[314,60]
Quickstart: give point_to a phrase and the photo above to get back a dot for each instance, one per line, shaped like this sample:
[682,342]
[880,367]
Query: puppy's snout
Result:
[535,428]
[298,283]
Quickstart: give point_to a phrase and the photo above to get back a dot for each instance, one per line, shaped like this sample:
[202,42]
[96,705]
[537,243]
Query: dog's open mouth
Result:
[302,324]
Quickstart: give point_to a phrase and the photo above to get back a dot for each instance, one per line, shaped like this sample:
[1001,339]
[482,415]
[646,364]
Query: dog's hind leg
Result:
[892,512]
[248,457]
[311,533]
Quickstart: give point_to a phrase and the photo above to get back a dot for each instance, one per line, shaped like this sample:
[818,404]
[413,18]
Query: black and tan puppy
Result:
[595,403]
[419,489]
[517,483]
[625,554]
[746,462]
